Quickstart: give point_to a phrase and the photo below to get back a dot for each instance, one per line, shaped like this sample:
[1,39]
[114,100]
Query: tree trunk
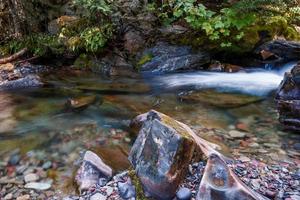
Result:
[18,16]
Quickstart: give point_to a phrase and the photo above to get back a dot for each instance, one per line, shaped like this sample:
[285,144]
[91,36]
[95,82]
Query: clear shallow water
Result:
[28,118]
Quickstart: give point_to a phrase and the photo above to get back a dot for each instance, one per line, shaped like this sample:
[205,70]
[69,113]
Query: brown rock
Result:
[232,68]
[242,127]
[92,171]
[133,41]
[24,197]
[266,54]
[55,25]
[7,67]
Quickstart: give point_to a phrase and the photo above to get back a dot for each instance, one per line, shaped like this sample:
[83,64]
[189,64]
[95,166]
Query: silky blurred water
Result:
[31,115]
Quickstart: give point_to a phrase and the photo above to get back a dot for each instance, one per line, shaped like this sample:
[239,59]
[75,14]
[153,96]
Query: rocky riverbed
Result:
[50,173]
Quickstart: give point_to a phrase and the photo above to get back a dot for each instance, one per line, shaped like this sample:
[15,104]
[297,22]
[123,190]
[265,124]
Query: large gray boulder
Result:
[164,58]
[161,154]
[288,99]
[163,151]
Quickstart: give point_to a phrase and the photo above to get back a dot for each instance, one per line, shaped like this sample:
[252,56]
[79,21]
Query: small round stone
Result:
[14,159]
[98,196]
[31,177]
[24,197]
[9,196]
[47,165]
[126,190]
[184,194]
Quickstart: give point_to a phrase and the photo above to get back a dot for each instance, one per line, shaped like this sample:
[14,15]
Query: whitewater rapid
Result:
[258,82]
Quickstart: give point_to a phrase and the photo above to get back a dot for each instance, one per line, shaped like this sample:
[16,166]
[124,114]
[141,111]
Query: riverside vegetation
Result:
[233,25]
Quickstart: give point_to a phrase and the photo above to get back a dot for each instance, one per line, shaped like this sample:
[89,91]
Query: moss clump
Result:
[137,184]
[83,61]
[38,44]
[144,59]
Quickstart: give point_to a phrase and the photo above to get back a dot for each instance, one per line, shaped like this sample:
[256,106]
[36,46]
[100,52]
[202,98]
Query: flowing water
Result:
[28,118]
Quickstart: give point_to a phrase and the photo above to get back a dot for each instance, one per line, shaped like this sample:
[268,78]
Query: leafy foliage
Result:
[95,38]
[229,24]
[287,9]
[216,25]
[89,33]
[94,29]
[95,5]
[38,44]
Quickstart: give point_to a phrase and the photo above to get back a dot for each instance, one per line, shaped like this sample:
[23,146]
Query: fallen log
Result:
[13,57]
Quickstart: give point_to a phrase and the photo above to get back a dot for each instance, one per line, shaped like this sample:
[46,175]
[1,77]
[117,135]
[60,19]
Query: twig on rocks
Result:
[13,57]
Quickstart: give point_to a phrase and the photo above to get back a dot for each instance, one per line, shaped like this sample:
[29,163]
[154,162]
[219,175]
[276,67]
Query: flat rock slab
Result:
[217,99]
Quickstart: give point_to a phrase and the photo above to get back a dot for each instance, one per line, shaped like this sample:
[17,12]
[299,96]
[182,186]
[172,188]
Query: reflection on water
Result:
[31,115]
[7,118]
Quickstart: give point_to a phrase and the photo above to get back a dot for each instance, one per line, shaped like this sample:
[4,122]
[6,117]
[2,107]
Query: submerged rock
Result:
[80,103]
[93,171]
[170,58]
[222,100]
[219,182]
[288,99]
[184,194]
[161,155]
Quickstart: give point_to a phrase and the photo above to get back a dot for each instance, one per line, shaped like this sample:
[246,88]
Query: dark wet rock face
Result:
[288,99]
[160,156]
[164,58]
[280,49]
[219,182]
